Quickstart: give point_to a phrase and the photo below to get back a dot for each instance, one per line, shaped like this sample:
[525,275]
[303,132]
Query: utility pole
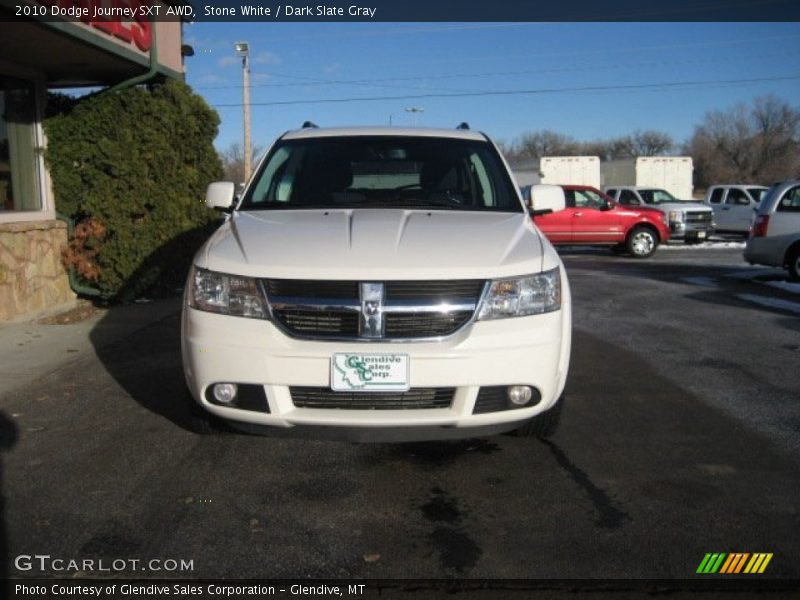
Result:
[415,110]
[243,51]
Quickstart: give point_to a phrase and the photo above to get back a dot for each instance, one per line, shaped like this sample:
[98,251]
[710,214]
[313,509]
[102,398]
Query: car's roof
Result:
[634,187]
[570,186]
[747,185]
[315,132]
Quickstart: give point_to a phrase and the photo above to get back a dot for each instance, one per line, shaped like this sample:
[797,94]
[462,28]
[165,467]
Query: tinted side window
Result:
[716,196]
[757,194]
[790,201]
[588,199]
[737,197]
[628,198]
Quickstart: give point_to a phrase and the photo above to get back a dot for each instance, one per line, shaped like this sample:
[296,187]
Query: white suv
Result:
[379,279]
[775,237]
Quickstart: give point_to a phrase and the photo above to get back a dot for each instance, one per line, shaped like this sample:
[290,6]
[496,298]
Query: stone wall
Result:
[32,278]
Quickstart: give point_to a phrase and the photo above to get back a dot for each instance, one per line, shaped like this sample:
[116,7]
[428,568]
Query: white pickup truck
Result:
[691,221]
[734,205]
[379,279]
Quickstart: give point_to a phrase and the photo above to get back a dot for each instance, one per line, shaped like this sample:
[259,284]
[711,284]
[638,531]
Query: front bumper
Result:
[530,350]
[681,230]
[770,251]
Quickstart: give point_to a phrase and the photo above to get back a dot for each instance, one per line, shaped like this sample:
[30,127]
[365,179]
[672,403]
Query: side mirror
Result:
[609,205]
[219,195]
[547,199]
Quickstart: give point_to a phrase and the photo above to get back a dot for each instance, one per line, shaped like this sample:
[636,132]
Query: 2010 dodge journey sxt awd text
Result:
[380,280]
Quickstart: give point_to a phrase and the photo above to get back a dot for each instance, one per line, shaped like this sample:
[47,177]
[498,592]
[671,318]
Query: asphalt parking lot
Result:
[681,436]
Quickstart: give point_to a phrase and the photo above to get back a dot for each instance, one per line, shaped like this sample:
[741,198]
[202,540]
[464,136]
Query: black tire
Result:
[642,242]
[199,421]
[793,263]
[544,424]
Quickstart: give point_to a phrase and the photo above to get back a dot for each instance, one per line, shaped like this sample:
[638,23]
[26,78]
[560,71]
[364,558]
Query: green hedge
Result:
[133,166]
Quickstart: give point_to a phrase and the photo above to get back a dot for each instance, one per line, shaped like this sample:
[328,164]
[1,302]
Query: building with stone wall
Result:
[38,53]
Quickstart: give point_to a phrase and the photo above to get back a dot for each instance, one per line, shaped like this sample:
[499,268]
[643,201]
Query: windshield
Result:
[382,172]
[655,196]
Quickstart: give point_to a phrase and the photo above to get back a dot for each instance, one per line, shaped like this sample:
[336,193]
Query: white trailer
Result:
[570,170]
[671,173]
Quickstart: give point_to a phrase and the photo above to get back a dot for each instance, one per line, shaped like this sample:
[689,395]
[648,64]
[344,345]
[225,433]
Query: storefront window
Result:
[19,190]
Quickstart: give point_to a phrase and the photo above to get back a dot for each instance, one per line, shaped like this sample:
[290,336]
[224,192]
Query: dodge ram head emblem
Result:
[371,322]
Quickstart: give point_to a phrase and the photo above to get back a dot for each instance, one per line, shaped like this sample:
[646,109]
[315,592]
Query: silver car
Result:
[775,237]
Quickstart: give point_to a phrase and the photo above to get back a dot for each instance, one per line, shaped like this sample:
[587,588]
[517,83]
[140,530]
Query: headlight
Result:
[676,216]
[521,296]
[226,294]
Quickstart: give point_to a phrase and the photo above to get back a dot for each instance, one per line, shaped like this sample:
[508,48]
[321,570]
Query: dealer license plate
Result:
[352,372]
[701,234]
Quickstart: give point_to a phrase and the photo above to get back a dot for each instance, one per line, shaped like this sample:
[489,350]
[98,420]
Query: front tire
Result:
[642,242]
[543,425]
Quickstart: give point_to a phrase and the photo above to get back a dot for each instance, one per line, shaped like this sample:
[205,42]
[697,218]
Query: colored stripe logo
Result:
[734,563]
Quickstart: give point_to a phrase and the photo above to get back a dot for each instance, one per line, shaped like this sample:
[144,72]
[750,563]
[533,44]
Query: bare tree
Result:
[233,161]
[756,143]
[550,143]
[650,143]
[546,143]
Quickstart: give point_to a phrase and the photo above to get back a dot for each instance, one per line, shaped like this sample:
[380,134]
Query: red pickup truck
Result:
[593,218]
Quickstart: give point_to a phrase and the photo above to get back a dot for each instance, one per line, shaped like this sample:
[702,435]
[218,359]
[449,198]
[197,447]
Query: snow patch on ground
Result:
[774,278]
[703,246]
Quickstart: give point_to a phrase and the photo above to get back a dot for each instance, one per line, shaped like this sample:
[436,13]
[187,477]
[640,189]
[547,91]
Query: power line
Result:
[562,55]
[315,81]
[598,88]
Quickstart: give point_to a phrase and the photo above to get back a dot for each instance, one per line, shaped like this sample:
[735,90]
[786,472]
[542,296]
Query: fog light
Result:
[519,395]
[225,393]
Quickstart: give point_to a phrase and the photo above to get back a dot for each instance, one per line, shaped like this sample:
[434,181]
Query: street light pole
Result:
[243,50]
[415,110]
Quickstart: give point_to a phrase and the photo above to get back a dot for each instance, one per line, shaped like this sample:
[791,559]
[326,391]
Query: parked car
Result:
[775,237]
[691,221]
[734,205]
[379,279]
[593,218]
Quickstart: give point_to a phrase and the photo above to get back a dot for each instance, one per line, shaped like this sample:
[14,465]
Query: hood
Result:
[694,206]
[379,244]
[638,211]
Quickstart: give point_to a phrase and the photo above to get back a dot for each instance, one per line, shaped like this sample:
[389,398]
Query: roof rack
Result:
[310,125]
[463,125]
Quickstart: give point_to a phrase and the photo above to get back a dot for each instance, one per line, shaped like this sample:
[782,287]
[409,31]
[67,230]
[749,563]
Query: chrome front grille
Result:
[698,217]
[392,310]
[415,398]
